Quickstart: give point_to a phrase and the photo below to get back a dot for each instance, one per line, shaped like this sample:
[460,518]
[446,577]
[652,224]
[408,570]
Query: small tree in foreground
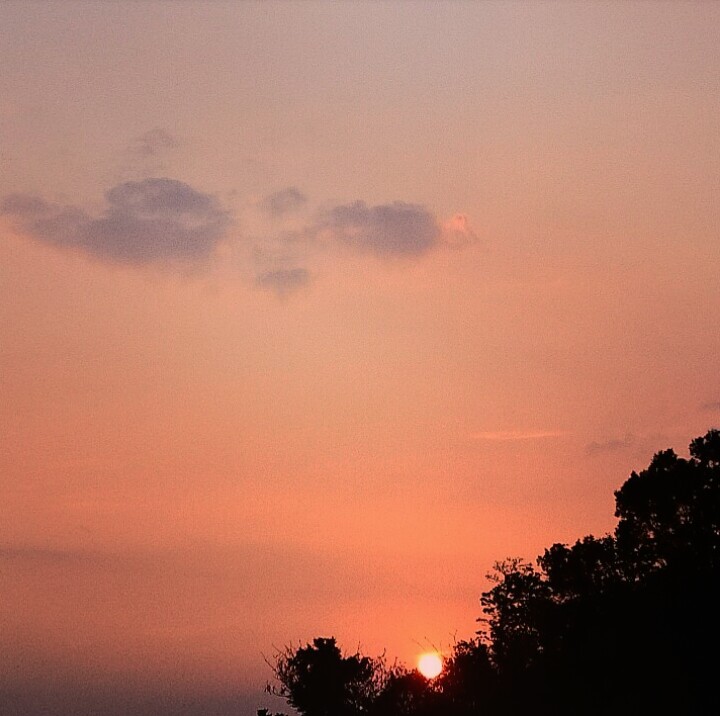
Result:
[317,680]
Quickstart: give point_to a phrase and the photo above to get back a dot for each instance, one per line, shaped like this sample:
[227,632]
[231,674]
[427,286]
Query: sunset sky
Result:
[310,312]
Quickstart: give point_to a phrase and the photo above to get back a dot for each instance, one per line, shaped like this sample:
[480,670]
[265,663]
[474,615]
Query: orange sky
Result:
[310,312]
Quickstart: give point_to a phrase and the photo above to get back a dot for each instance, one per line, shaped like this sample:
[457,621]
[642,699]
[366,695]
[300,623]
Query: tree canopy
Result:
[626,623]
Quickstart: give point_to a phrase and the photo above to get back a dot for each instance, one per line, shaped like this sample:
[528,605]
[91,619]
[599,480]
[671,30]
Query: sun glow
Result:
[430,664]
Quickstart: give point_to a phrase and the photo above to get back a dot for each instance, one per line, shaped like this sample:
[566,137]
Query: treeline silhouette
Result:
[623,624]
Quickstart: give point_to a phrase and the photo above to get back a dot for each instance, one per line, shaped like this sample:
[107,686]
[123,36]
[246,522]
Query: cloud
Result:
[386,230]
[24,205]
[148,221]
[35,555]
[612,445]
[509,435]
[284,281]
[712,406]
[457,233]
[154,142]
[283,202]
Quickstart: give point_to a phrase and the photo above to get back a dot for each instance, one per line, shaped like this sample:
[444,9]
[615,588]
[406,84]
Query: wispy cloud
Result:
[457,232]
[44,555]
[611,445]
[149,221]
[283,202]
[284,282]
[155,142]
[511,435]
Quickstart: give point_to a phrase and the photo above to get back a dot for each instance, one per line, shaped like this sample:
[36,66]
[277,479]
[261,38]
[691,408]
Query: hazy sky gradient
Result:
[310,312]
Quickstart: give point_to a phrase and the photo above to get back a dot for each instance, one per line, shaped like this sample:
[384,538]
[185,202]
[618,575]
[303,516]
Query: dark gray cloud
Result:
[283,282]
[386,230]
[283,202]
[155,142]
[148,221]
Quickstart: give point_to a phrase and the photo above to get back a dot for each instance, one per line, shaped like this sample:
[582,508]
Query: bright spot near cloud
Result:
[430,665]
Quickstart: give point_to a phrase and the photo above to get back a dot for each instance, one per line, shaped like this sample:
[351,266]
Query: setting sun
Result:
[430,665]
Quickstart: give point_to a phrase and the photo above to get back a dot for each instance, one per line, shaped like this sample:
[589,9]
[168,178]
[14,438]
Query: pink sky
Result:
[310,312]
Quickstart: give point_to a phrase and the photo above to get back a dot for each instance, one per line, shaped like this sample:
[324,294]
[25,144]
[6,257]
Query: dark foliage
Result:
[318,680]
[628,623]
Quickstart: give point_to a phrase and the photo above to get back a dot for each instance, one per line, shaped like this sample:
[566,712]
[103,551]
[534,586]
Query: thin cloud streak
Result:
[611,445]
[511,435]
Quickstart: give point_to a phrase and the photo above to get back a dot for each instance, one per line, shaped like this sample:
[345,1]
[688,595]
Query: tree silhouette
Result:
[515,607]
[468,683]
[627,623]
[318,680]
